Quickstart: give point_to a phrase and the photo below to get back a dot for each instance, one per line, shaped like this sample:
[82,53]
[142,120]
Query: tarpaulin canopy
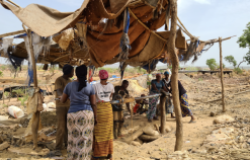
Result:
[103,23]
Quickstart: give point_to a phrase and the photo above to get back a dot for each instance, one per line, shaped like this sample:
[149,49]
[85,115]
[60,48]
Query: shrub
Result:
[212,64]
[238,70]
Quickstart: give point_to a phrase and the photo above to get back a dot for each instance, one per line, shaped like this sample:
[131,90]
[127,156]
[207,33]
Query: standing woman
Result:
[183,99]
[157,85]
[103,136]
[168,103]
[81,116]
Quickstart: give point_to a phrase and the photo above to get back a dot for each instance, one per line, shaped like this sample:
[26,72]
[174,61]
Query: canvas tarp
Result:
[103,39]
[46,21]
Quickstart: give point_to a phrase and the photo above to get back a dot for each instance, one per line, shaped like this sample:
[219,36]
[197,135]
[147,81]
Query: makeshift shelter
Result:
[105,32]
[98,34]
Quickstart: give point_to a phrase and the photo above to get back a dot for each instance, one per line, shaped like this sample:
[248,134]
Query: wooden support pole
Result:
[36,115]
[221,78]
[174,77]
[32,56]
[12,33]
[163,99]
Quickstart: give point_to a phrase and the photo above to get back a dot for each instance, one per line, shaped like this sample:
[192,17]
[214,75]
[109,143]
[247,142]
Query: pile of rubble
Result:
[229,141]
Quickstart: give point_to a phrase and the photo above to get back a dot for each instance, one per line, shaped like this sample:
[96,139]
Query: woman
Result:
[168,104]
[183,98]
[157,85]
[81,116]
[103,136]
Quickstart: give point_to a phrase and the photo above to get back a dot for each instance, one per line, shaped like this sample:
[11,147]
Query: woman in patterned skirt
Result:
[157,85]
[81,116]
[183,98]
[103,136]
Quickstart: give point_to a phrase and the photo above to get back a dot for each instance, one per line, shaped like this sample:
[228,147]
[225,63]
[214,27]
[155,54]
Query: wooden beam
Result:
[222,81]
[174,77]
[12,33]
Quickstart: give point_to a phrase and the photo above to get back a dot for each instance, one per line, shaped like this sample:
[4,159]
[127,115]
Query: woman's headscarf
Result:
[81,73]
[103,74]
[67,69]
[166,73]
[158,74]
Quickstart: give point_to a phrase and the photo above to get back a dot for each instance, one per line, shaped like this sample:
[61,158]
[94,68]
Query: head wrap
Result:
[158,74]
[166,73]
[67,69]
[103,74]
[81,73]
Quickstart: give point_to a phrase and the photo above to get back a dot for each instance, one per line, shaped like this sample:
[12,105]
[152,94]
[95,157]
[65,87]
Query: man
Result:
[62,108]
[120,92]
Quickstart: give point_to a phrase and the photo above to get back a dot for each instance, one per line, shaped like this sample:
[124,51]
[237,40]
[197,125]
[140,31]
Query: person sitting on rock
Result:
[143,105]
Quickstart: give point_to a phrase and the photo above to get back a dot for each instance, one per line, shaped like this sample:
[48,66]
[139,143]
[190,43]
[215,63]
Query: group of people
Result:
[88,123]
[86,120]
[159,84]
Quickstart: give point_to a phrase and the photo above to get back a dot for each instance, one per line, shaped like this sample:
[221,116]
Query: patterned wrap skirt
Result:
[152,106]
[80,135]
[103,134]
[184,106]
[169,105]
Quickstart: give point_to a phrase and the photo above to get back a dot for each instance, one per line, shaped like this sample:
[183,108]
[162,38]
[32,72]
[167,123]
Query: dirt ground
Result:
[204,93]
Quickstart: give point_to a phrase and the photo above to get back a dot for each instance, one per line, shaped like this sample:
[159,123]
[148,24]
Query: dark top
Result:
[119,94]
[180,87]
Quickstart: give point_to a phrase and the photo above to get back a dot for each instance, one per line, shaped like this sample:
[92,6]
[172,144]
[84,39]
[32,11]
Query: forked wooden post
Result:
[163,113]
[36,115]
[222,81]
[174,77]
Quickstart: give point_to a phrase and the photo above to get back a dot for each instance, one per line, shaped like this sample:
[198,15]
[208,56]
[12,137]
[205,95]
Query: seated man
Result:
[143,105]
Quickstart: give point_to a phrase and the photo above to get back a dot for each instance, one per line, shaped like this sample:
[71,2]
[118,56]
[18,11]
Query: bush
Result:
[212,64]
[238,71]
[231,60]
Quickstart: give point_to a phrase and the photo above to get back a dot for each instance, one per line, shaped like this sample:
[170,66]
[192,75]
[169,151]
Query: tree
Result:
[212,64]
[244,42]
[174,78]
[231,60]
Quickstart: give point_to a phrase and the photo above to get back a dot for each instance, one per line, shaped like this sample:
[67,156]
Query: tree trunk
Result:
[241,62]
[36,115]
[174,78]
[163,113]
[222,82]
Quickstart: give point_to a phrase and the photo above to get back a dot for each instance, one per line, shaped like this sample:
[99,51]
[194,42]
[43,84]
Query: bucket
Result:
[15,111]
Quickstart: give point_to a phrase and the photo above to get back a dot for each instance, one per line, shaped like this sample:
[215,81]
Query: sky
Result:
[206,19]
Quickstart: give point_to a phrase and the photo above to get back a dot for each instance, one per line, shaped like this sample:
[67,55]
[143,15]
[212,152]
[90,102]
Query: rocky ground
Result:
[213,136]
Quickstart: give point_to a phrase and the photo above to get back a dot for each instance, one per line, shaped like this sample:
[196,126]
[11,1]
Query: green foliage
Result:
[200,79]
[6,94]
[21,92]
[212,64]
[230,59]
[3,67]
[23,99]
[1,74]
[244,41]
[238,70]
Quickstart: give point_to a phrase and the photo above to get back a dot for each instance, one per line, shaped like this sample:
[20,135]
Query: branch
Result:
[244,60]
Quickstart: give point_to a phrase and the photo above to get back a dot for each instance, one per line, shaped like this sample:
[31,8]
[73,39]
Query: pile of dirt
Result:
[134,88]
